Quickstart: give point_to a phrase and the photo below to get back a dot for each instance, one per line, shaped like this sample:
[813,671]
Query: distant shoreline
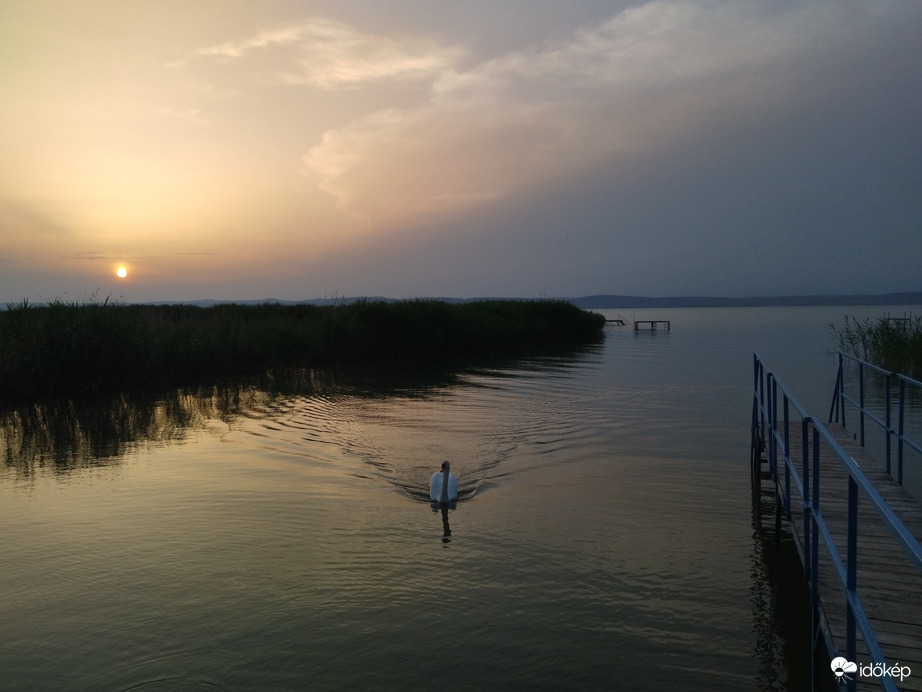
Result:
[619,302]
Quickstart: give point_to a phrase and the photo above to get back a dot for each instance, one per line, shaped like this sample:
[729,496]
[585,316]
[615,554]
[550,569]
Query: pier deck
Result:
[889,585]
[791,460]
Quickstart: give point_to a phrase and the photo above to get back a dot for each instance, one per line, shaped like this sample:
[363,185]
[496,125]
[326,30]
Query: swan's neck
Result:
[444,496]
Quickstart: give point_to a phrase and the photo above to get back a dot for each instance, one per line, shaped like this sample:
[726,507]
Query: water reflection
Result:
[66,436]
[446,528]
[779,598]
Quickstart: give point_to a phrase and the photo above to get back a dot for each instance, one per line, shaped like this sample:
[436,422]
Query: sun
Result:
[121,272]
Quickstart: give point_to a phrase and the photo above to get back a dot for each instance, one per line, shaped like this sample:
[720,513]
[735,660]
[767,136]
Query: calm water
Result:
[281,539]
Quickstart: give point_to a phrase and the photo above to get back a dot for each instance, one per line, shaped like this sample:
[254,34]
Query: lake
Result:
[279,537]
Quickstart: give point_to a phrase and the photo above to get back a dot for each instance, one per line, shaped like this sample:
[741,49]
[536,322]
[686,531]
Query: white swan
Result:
[443,486]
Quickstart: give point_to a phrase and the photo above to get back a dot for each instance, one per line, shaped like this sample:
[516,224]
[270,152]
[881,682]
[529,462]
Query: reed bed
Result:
[893,344]
[64,349]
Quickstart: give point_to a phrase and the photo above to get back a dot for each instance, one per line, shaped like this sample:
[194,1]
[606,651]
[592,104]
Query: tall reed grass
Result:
[63,349]
[893,344]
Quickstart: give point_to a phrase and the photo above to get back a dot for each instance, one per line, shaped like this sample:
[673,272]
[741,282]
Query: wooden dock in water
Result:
[801,463]
[653,325]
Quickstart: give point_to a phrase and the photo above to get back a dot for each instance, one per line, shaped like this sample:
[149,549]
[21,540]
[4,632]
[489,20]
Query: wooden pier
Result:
[790,452]
[652,325]
[890,587]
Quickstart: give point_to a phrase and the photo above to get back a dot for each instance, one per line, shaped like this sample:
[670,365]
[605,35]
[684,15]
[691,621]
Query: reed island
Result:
[66,349]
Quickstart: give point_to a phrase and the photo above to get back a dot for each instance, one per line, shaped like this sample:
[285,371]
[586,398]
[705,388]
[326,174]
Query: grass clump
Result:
[892,344]
[65,349]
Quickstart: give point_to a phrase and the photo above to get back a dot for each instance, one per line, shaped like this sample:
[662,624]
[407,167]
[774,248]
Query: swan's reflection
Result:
[443,491]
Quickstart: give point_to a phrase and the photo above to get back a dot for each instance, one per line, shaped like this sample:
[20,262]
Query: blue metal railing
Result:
[772,433]
[837,412]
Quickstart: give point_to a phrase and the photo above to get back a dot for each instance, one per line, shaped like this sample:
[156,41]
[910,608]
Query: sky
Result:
[300,149]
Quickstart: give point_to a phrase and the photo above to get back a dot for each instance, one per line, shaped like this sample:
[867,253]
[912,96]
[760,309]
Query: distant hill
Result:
[620,302]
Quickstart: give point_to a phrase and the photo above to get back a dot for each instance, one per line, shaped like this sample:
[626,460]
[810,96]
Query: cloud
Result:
[191,114]
[88,255]
[653,73]
[233,49]
[330,55]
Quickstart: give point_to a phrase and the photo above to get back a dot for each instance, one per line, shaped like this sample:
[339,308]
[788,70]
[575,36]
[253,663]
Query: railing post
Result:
[814,554]
[755,465]
[851,570]
[769,433]
[778,513]
[834,406]
[787,459]
[861,401]
[762,376]
[773,450]
[805,461]
[842,388]
[899,444]
[753,445]
[814,508]
[887,418]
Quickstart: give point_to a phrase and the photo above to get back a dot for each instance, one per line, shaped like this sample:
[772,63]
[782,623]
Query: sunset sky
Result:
[290,149]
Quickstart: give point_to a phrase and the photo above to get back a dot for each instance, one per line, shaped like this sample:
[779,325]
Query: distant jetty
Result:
[652,325]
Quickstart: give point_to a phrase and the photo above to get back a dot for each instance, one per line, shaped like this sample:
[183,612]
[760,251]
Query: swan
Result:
[443,486]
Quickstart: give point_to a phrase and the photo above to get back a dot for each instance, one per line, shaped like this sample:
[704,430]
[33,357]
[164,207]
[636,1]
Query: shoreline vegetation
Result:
[66,349]
[894,344]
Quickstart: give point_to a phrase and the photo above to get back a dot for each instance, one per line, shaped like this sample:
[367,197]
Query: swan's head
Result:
[446,467]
